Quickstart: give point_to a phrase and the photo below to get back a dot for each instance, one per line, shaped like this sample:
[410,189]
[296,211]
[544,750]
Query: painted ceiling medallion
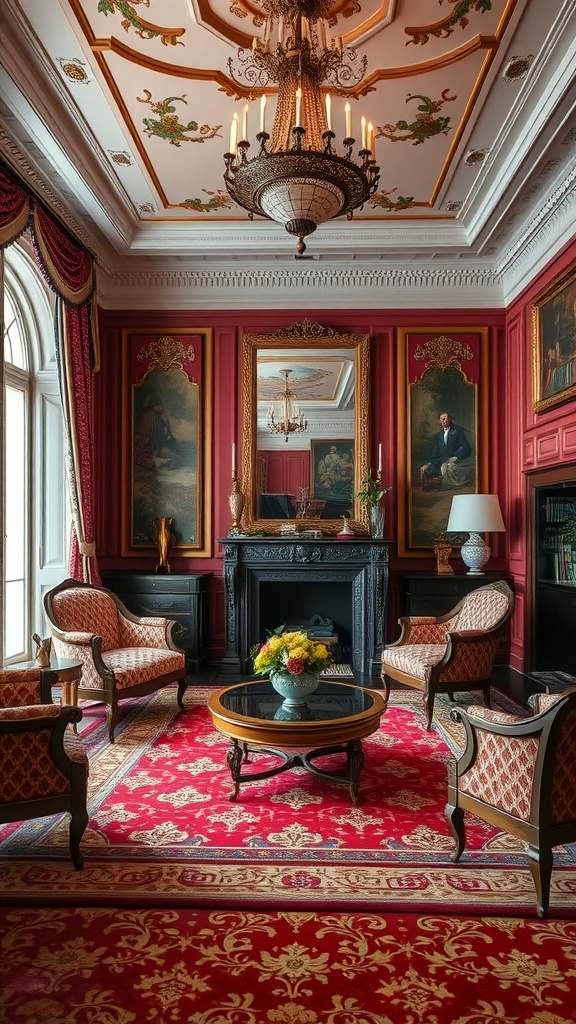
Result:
[121,158]
[517,68]
[454,206]
[475,156]
[74,70]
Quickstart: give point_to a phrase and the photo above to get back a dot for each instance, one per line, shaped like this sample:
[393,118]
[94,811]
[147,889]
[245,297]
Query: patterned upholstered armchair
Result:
[519,774]
[123,655]
[452,653]
[43,764]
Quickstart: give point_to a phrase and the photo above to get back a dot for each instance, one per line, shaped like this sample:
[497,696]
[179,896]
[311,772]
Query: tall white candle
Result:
[233,459]
[370,135]
[363,127]
[348,121]
[298,105]
[328,112]
[379,461]
[245,125]
[234,133]
[263,113]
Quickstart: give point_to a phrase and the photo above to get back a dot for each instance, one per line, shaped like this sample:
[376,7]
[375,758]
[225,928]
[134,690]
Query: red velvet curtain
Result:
[69,270]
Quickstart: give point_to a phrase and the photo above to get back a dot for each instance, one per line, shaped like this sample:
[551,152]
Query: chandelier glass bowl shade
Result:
[296,178]
[290,420]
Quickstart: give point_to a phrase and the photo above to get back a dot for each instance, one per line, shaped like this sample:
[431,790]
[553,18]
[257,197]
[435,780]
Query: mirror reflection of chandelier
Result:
[299,180]
[291,418]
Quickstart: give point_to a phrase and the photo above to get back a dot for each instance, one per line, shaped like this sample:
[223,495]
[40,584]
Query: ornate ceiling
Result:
[124,107]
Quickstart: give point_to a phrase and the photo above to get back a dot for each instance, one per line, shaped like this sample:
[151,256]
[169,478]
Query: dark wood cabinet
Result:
[179,596]
[426,593]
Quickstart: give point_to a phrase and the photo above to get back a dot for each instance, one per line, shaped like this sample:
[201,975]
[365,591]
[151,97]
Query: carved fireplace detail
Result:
[270,580]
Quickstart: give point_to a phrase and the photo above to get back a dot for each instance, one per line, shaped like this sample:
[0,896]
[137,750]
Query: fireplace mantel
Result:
[353,572]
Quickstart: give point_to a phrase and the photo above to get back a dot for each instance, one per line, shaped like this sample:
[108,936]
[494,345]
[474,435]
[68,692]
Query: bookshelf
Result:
[557,533]
[554,564]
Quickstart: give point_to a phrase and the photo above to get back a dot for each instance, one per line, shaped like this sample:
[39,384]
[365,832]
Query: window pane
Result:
[16,522]
[15,640]
[14,348]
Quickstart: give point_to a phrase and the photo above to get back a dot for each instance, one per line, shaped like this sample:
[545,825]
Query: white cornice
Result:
[548,231]
[305,287]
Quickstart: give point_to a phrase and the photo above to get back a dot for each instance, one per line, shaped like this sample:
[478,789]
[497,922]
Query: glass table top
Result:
[330,701]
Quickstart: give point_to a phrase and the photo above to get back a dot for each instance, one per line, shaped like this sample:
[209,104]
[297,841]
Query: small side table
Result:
[64,672]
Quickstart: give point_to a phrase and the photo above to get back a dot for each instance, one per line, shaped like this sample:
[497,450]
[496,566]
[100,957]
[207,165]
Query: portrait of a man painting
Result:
[554,343]
[442,425]
[167,382]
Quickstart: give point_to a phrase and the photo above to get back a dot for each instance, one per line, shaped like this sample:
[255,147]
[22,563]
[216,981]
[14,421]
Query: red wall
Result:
[518,440]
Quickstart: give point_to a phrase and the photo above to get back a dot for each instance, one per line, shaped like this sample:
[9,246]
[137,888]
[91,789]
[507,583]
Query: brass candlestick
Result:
[236,503]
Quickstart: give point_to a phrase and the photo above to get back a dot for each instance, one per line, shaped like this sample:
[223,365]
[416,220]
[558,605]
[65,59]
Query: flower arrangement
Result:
[295,653]
[373,490]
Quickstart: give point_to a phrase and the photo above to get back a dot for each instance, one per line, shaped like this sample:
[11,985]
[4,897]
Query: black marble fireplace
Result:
[272,580]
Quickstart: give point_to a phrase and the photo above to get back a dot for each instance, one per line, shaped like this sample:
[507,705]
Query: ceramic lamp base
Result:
[475,552]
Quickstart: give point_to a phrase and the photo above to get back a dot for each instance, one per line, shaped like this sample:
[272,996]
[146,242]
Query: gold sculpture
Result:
[43,649]
[163,537]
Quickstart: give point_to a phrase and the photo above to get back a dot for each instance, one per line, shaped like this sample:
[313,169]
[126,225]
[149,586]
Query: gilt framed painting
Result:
[442,429]
[166,439]
[554,343]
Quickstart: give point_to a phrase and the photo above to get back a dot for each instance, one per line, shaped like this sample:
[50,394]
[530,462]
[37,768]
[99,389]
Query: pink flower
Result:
[295,666]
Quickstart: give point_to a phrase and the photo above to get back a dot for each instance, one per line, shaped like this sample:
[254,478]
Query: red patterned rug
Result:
[101,966]
[163,832]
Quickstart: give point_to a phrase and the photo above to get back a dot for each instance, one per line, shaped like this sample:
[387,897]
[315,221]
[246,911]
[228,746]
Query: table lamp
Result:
[475,514]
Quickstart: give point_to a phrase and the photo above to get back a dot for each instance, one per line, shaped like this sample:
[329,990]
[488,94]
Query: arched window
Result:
[36,511]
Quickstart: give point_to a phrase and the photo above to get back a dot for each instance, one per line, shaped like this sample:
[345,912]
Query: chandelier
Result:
[291,419]
[296,178]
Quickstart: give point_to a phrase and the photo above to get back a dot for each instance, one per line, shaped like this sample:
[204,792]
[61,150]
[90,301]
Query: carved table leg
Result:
[234,759]
[355,764]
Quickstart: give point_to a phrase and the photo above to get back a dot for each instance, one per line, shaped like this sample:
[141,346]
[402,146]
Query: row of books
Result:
[563,563]
[556,509]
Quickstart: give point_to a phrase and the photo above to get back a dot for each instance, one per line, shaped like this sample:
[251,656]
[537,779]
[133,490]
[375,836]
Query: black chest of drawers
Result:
[179,596]
[430,594]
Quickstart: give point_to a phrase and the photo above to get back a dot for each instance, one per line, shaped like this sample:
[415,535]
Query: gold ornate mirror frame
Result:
[304,335]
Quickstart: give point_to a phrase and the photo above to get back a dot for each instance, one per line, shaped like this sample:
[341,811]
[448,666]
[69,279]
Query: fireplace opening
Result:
[295,604]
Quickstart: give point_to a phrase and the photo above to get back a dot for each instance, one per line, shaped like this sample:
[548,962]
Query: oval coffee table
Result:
[334,719]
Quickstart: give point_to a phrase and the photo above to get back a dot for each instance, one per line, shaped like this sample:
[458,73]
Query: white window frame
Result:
[48,520]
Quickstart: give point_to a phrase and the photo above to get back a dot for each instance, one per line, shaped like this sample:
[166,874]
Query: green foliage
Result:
[373,490]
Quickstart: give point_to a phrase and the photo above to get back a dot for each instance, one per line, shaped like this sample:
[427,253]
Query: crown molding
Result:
[305,287]
[548,231]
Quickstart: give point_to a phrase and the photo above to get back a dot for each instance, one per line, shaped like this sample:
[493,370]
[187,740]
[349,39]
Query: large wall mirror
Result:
[305,429]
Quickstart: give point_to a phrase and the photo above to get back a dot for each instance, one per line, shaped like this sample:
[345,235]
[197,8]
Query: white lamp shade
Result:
[478,513]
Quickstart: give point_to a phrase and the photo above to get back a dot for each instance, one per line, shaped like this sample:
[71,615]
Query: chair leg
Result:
[486,695]
[428,701]
[540,862]
[386,685]
[78,823]
[182,687]
[112,717]
[455,818]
